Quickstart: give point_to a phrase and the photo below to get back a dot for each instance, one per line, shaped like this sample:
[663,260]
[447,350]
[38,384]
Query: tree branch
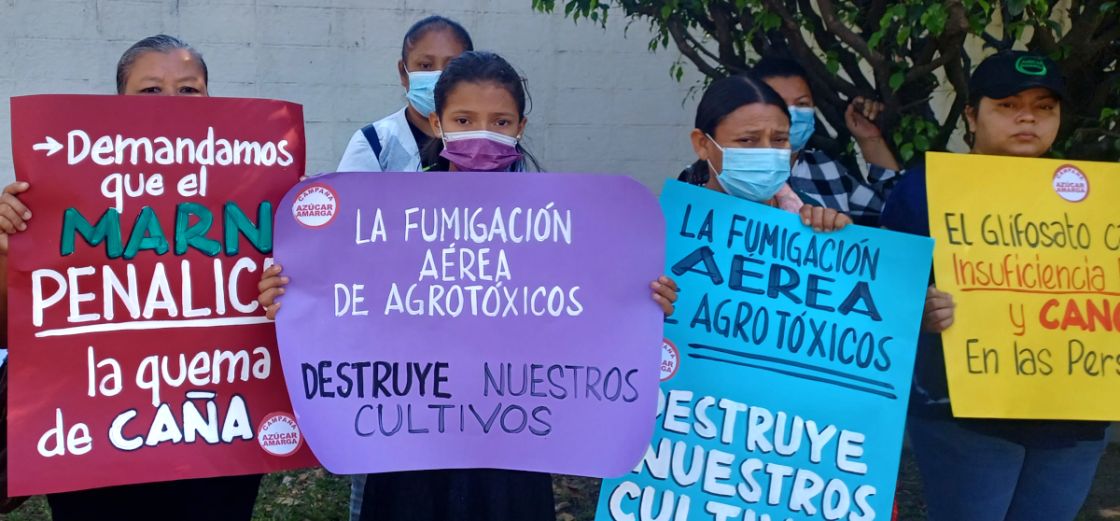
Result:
[680,36]
[805,56]
[758,39]
[949,43]
[724,39]
[1080,33]
[1043,39]
[956,73]
[699,46]
[833,24]
[921,70]
[827,43]
[874,13]
[992,40]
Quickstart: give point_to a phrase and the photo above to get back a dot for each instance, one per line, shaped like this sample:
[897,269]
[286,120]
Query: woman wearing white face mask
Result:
[742,142]
[393,144]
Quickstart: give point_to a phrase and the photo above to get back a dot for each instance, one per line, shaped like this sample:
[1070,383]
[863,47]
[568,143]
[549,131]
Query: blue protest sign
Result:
[786,368]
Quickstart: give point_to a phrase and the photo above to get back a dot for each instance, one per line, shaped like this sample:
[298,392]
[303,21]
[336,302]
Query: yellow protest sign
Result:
[1030,251]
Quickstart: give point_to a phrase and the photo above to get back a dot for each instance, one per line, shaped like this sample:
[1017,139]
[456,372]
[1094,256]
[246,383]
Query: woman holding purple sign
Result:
[479,118]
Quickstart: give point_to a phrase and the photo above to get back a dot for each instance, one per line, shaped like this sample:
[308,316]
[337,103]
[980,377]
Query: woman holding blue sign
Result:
[742,140]
[479,118]
[393,143]
[993,469]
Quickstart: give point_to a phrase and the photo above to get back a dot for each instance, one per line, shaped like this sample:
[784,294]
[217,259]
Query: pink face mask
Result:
[480,150]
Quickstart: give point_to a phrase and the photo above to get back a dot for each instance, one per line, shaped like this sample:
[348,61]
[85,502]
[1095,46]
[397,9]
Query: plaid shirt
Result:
[827,183]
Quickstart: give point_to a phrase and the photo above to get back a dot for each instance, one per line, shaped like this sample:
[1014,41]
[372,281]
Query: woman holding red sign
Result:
[158,66]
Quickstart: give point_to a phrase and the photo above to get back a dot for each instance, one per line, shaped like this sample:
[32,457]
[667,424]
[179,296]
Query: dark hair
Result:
[775,67]
[161,43]
[432,23]
[724,96]
[476,67]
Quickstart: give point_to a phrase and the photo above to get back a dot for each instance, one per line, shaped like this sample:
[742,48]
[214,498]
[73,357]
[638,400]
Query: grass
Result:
[315,495]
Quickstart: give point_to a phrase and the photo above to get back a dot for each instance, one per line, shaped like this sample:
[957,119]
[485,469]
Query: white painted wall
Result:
[602,102]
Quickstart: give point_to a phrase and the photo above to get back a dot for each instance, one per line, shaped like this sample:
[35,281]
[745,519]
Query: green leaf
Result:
[907,152]
[897,79]
[934,19]
[770,21]
[873,42]
[1108,6]
[903,34]
[922,142]
[1015,7]
[832,62]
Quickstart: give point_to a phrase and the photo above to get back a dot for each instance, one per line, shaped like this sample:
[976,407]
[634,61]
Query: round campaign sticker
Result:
[670,359]
[279,434]
[315,206]
[1071,184]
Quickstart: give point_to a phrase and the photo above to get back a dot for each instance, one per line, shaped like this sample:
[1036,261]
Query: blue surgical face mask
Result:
[422,91]
[803,122]
[755,174]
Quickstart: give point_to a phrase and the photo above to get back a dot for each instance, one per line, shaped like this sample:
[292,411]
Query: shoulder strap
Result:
[374,142]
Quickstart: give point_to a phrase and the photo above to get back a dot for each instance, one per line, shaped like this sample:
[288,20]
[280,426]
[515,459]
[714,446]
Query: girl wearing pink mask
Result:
[479,119]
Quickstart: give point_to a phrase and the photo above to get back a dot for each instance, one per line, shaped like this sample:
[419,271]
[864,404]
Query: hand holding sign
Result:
[939,311]
[13,214]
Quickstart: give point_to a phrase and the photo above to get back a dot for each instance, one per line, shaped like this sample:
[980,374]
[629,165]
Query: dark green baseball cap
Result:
[1008,73]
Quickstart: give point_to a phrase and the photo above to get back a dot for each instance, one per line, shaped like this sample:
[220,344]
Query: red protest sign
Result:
[138,352]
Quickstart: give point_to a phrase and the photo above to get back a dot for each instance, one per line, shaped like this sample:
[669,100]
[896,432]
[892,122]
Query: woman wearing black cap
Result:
[993,470]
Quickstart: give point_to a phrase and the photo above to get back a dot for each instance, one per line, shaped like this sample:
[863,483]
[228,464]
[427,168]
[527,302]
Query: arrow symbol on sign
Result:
[51,146]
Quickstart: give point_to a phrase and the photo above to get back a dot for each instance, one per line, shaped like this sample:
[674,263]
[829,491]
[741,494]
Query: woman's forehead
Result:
[481,97]
[1032,94]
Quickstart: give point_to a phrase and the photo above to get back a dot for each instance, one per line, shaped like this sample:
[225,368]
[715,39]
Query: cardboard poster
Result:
[786,372]
[472,320]
[1030,252]
[138,352]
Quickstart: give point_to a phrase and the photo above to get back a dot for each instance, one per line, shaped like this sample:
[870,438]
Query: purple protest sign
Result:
[471,320]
